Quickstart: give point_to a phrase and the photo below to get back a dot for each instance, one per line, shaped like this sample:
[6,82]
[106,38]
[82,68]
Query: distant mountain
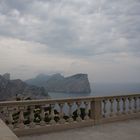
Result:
[38,80]
[78,83]
[10,89]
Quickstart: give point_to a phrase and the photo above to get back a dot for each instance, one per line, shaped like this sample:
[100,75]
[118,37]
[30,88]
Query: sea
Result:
[102,89]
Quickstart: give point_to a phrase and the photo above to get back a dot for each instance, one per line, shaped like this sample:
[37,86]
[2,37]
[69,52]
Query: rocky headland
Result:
[17,89]
[77,83]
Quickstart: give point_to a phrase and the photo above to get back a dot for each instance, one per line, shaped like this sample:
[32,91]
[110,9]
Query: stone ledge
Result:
[52,128]
[124,130]
[120,118]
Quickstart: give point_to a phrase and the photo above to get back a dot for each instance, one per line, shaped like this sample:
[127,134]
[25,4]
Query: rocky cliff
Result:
[78,83]
[12,89]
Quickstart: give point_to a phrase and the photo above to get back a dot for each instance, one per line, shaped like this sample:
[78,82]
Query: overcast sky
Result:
[97,37]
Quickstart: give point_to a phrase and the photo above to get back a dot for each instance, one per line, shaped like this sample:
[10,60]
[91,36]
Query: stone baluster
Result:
[124,106]
[62,120]
[52,122]
[21,117]
[10,117]
[104,108]
[130,105]
[86,110]
[2,114]
[42,116]
[1,110]
[111,107]
[78,112]
[139,103]
[118,106]
[5,113]
[70,112]
[32,124]
[135,104]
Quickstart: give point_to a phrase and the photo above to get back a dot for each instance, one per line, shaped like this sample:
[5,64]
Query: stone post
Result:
[96,110]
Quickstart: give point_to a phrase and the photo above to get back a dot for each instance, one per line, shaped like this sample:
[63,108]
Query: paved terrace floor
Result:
[127,130]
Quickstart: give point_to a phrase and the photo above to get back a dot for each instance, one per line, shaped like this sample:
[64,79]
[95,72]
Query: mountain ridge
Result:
[10,89]
[77,83]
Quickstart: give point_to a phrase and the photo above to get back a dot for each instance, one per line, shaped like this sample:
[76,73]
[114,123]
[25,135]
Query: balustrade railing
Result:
[119,106]
[23,116]
[30,114]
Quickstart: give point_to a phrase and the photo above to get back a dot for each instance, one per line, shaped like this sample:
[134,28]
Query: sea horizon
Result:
[102,89]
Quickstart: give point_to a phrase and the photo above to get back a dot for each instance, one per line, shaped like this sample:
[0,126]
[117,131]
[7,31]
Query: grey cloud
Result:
[79,28]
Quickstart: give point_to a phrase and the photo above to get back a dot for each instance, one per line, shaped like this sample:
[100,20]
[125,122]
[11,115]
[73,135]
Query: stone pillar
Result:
[96,110]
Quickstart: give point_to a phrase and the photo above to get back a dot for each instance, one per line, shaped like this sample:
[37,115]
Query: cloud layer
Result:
[100,35]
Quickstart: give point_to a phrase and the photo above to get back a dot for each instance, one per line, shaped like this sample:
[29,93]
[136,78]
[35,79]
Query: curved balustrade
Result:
[23,116]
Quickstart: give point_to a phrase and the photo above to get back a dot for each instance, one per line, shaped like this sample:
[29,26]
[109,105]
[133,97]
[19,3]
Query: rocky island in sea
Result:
[77,83]
[17,89]
[38,87]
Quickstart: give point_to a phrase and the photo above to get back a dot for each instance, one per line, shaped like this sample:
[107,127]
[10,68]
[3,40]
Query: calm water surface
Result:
[102,90]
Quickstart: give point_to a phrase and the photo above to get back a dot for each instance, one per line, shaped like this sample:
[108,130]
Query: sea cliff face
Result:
[11,89]
[77,83]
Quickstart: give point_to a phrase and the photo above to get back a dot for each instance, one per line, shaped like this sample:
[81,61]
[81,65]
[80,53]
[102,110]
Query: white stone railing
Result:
[38,116]
[120,107]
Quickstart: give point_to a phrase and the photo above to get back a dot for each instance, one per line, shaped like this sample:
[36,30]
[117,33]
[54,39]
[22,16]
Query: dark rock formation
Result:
[12,89]
[57,83]
[7,76]
[39,80]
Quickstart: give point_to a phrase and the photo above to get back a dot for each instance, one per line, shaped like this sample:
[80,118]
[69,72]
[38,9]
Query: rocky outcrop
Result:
[12,89]
[39,80]
[7,76]
[78,83]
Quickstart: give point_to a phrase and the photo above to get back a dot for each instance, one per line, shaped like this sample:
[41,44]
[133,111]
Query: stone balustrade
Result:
[39,116]
[120,107]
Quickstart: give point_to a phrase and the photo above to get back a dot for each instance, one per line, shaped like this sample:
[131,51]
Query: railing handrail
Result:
[68,100]
[43,101]
[119,96]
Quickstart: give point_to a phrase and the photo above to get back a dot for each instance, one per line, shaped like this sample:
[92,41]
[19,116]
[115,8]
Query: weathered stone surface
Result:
[10,89]
[127,130]
[78,83]
[6,133]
